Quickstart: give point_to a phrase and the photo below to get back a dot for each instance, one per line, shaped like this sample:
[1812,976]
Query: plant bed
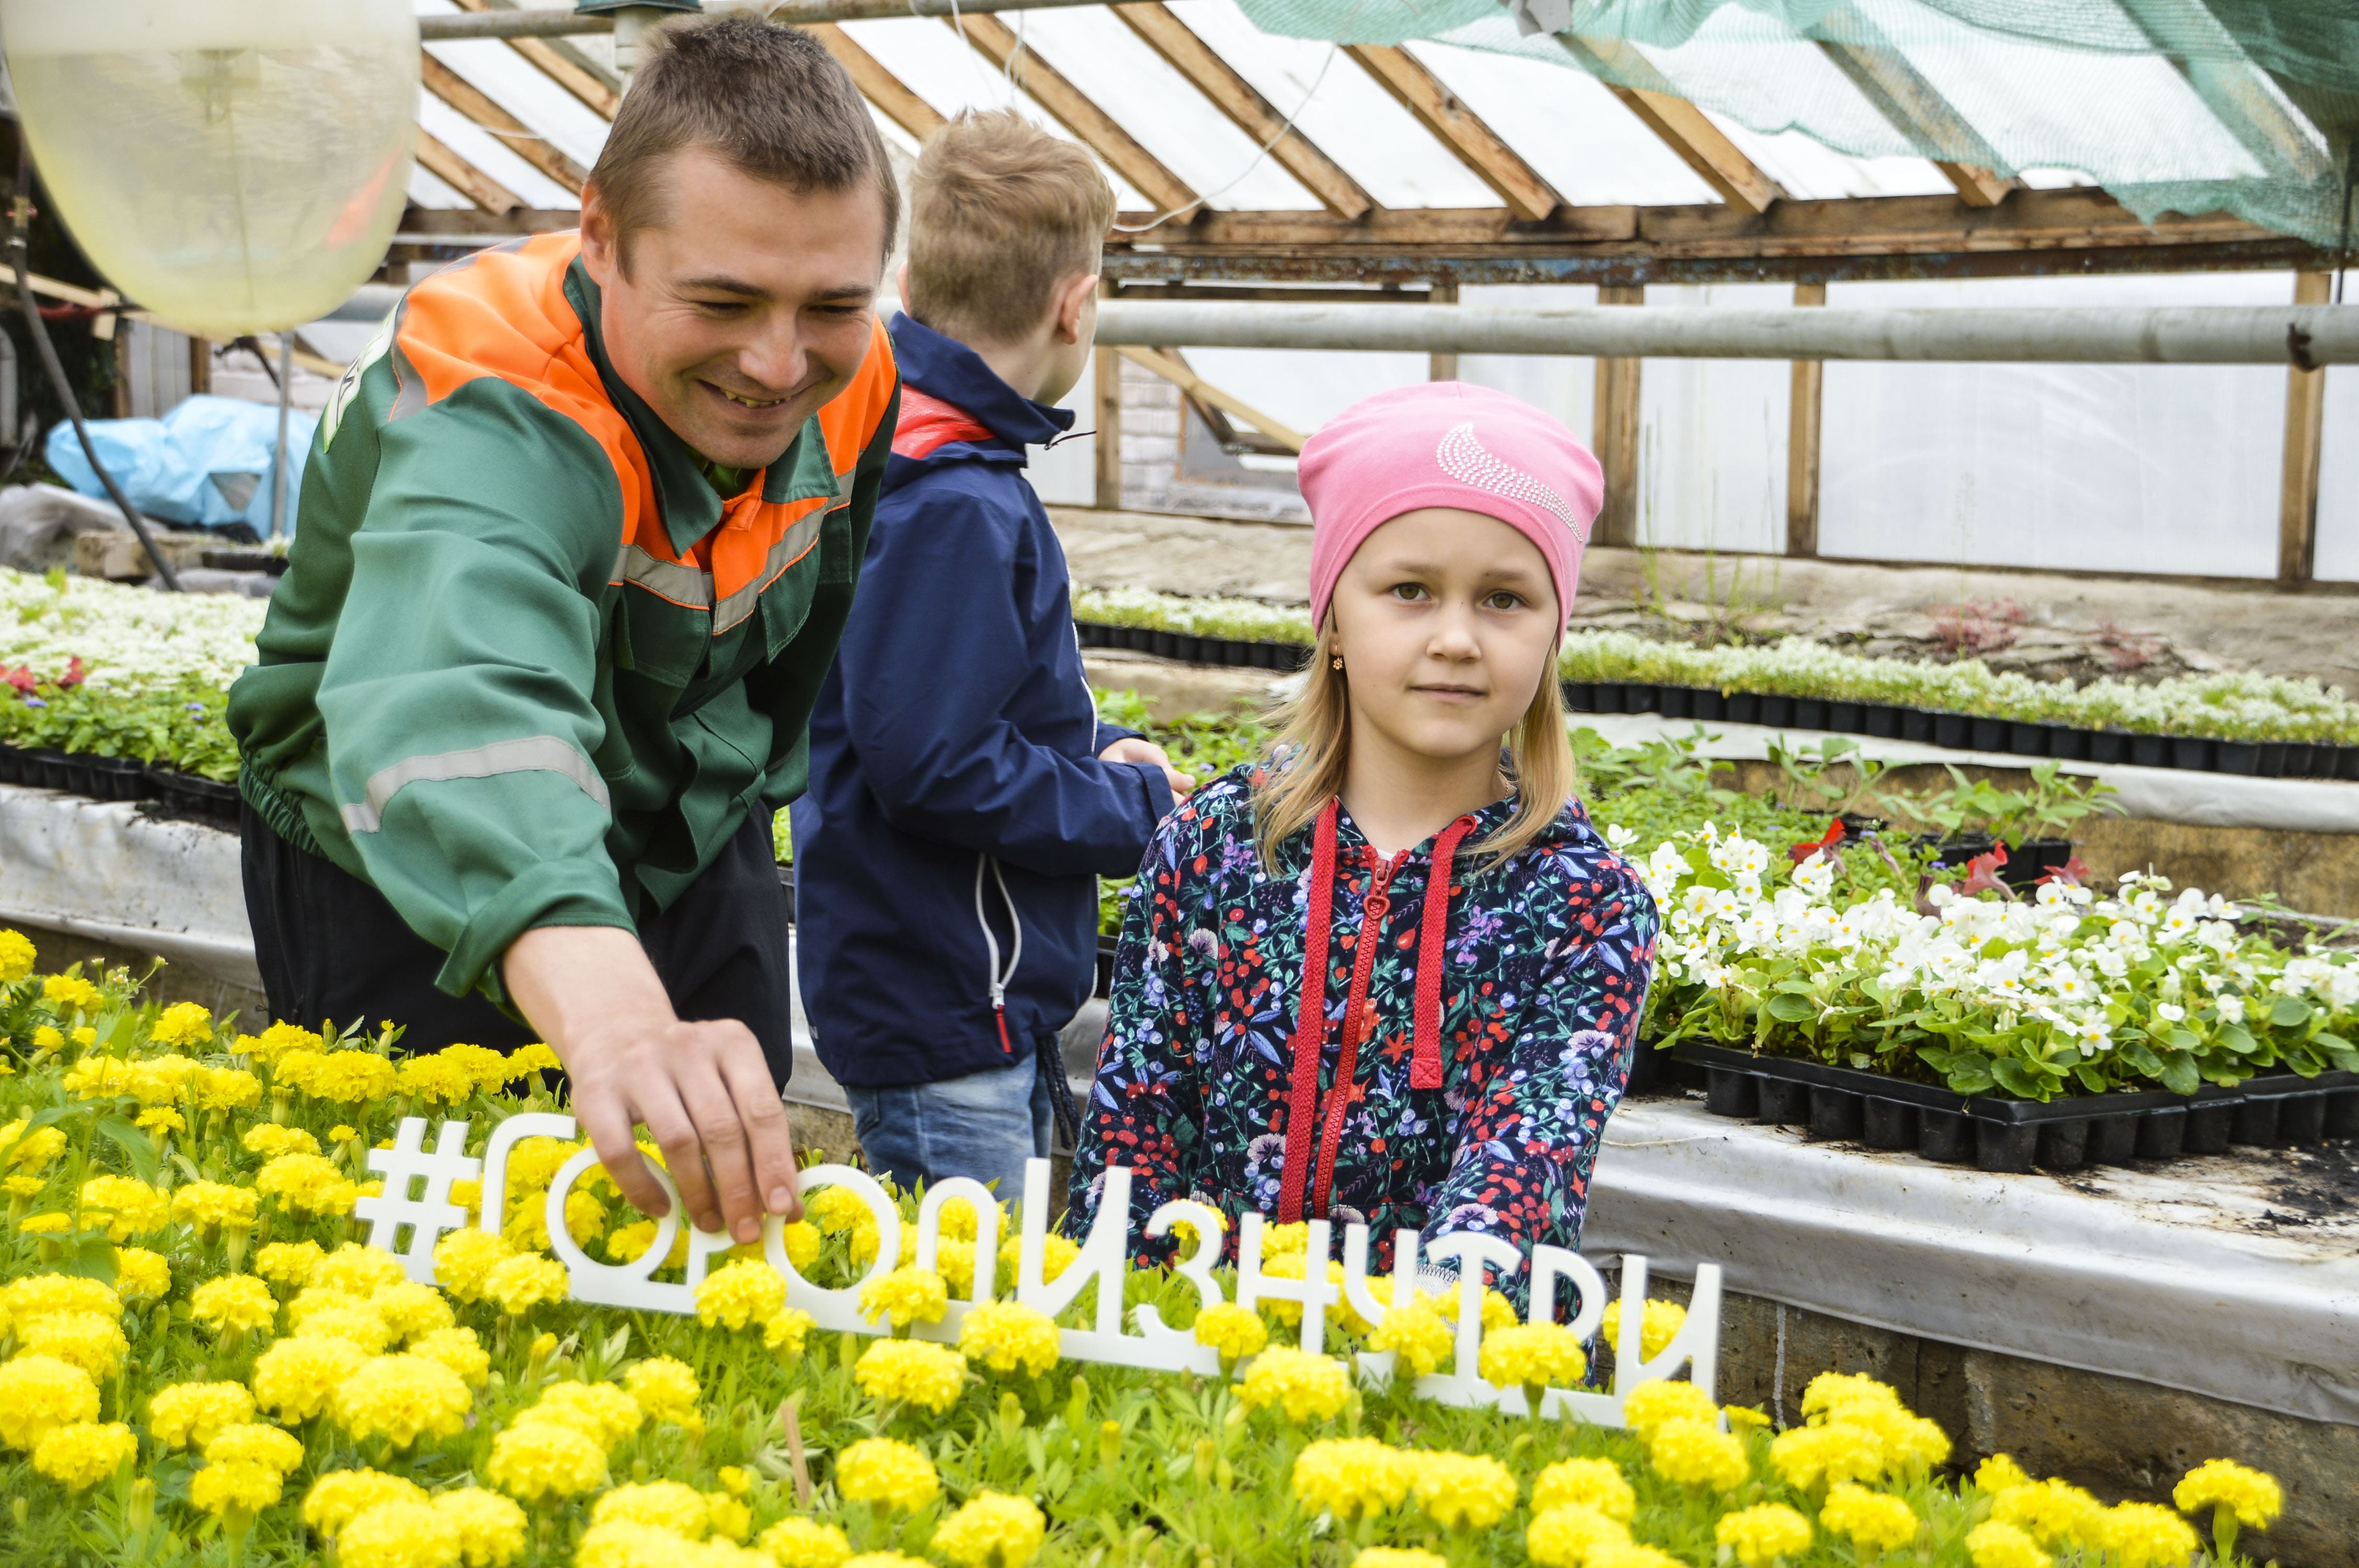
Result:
[195,796]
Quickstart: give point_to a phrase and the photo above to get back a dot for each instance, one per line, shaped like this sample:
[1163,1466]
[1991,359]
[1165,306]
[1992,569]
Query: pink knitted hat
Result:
[1445,443]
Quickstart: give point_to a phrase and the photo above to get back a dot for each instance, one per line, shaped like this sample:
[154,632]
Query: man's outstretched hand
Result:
[703,1090]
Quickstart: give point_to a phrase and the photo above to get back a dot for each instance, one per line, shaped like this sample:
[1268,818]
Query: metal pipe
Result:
[279,461]
[2304,335]
[553,24]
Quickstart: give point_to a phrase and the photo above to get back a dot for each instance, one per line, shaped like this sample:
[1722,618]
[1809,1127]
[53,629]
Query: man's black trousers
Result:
[330,947]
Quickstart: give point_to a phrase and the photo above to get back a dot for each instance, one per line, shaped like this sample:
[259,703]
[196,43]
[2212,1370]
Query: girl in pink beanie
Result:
[1392,975]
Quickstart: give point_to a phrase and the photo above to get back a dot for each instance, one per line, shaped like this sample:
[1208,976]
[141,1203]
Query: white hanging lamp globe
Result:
[233,166]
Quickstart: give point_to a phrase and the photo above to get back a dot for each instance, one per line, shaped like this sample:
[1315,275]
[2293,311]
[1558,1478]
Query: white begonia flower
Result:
[1619,836]
[2231,1006]
[2216,935]
[2169,1012]
[1816,875]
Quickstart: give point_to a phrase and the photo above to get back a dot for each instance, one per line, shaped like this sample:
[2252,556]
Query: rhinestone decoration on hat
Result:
[1461,457]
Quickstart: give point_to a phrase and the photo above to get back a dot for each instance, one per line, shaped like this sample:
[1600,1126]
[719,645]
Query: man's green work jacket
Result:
[525,667]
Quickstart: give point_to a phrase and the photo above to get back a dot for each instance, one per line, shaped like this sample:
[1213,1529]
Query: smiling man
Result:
[580,529]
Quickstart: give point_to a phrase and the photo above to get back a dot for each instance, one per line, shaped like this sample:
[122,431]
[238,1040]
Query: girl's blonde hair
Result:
[1314,740]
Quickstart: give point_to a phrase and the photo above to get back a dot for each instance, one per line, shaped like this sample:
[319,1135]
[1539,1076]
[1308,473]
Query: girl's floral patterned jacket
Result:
[1541,978]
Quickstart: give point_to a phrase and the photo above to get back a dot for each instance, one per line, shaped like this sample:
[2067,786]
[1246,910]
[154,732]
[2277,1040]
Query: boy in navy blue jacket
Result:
[964,797]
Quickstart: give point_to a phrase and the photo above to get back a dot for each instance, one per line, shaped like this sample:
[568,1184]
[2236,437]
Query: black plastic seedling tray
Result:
[1844,1104]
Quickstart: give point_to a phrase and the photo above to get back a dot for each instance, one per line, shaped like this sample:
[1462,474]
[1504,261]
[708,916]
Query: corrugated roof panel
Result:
[489,153]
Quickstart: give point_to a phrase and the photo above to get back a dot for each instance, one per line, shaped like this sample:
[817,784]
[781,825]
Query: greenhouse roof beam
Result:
[1474,142]
[464,177]
[596,89]
[1679,125]
[1907,98]
[1075,110]
[2237,92]
[1244,106]
[514,134]
[887,92]
[556,23]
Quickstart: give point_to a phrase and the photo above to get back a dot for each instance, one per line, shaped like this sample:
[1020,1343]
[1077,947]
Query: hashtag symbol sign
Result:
[427,1215]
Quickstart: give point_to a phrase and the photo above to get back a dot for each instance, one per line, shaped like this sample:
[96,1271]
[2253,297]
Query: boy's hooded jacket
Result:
[947,856]
[1465,1060]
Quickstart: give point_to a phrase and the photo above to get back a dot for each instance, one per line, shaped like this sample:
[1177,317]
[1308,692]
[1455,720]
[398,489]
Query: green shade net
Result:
[2244,106]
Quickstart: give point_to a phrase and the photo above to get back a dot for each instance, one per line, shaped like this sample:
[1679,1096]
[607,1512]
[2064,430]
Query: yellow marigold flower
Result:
[1285,1241]
[269,1139]
[32,1151]
[459,1349]
[1831,1391]
[1763,1533]
[1745,1418]
[490,1526]
[1661,1322]
[992,1530]
[520,1284]
[1056,1255]
[1009,1337]
[226,1088]
[105,1077]
[1295,1266]
[463,1261]
[160,1080]
[600,1410]
[1568,1534]
[83,1339]
[41,1393]
[1908,1442]
[1532,1356]
[667,1390]
[884,1470]
[234,1302]
[904,1296]
[1992,1544]
[798,1542]
[2251,1497]
[803,1242]
[1351,1477]
[306,1184]
[193,1413]
[1808,1457]
[536,1057]
[835,1210]
[2000,1473]
[487,1069]
[349,1078]
[629,1243]
[1463,1491]
[545,1459]
[161,1118]
[1419,1334]
[50,1224]
[358,1271]
[254,1443]
[1231,1331]
[81,1455]
[398,1535]
[1650,1405]
[912,1371]
[1498,1311]
[21,1186]
[435,1079]
[228,1491]
[534,1164]
[785,1331]
[277,1041]
[288,1264]
[411,1311]
[216,1207]
[1630,1555]
[295,1378]
[124,1207]
[627,1543]
[83,1038]
[730,1519]
[182,1023]
[1698,1453]
[2145,1535]
[45,1038]
[585,1216]
[1306,1387]
[667,1505]
[1874,1522]
[401,1399]
[1588,1483]
[2055,1513]
[42,1295]
[17,955]
[340,1494]
[1397,1557]
[71,993]
[739,1294]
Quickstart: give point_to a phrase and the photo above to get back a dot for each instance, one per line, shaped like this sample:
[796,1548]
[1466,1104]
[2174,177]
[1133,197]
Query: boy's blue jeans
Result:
[984,1126]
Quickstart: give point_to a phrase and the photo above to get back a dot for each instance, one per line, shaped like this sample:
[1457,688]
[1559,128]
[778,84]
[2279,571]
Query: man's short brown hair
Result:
[1000,212]
[769,99]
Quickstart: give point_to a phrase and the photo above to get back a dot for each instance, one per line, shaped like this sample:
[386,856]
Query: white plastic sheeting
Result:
[2180,1276]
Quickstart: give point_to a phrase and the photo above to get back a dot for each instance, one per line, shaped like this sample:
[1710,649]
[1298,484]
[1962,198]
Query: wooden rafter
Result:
[1679,125]
[1175,371]
[1246,109]
[563,64]
[878,85]
[514,134]
[1905,96]
[464,176]
[2233,87]
[1458,128]
[1073,108]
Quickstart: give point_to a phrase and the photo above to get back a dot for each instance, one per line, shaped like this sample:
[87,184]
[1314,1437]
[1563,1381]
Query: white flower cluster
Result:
[129,639]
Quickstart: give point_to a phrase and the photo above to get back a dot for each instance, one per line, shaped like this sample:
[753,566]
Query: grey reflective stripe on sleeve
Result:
[666,579]
[792,547]
[533,755]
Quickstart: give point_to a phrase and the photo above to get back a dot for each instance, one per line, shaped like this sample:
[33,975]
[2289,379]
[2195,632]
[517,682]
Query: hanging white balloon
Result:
[236,165]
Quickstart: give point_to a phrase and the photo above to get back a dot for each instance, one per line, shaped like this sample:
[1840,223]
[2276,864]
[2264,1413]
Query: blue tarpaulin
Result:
[206,463]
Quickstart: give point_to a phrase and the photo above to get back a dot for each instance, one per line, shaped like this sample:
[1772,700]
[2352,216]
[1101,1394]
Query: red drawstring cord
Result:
[1310,1017]
[1357,1016]
[1424,1059]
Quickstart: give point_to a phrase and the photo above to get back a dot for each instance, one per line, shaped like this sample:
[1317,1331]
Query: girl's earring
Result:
[1337,663]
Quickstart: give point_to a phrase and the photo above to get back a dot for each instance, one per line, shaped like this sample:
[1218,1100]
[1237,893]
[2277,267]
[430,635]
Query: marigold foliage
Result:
[887,1471]
[992,1530]
[912,1371]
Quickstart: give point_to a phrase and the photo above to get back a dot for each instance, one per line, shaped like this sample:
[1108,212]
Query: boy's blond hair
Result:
[1000,214]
